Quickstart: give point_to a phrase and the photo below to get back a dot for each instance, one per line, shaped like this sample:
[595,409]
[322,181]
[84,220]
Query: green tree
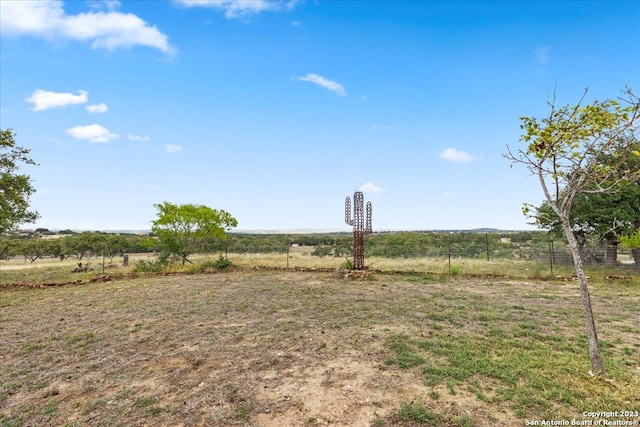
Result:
[566,152]
[632,241]
[15,188]
[6,248]
[85,244]
[185,229]
[608,215]
[115,244]
[33,249]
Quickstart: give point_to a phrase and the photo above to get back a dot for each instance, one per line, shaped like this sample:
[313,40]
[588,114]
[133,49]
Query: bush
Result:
[322,250]
[347,264]
[220,264]
[631,241]
[156,266]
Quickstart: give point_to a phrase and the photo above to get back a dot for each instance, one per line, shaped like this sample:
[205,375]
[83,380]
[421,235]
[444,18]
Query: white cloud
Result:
[92,133]
[454,155]
[104,4]
[43,99]
[541,54]
[325,83]
[170,148]
[370,187]
[108,30]
[98,108]
[137,137]
[236,9]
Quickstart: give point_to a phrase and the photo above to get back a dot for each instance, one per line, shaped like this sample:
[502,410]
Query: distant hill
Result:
[294,231]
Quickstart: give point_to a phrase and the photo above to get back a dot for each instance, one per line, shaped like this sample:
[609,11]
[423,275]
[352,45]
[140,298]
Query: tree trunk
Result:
[592,335]
[636,256]
[611,258]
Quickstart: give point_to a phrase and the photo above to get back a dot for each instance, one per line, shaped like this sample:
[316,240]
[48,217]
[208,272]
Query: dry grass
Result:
[430,265]
[292,349]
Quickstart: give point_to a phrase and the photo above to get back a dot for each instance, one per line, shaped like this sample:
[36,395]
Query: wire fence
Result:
[508,253]
[550,258]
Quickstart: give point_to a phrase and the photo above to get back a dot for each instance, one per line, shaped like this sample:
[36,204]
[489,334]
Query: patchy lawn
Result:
[293,349]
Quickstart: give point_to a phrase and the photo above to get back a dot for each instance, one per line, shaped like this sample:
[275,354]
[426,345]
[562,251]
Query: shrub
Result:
[455,270]
[322,250]
[631,241]
[221,263]
[144,266]
[347,264]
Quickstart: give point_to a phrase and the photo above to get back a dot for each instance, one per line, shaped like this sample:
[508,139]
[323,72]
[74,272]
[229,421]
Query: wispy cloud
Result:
[541,55]
[324,82]
[93,133]
[98,108]
[237,9]
[109,30]
[170,148]
[104,4]
[137,137]
[457,156]
[370,187]
[43,99]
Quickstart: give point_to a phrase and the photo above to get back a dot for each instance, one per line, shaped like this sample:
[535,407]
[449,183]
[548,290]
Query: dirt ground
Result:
[240,348]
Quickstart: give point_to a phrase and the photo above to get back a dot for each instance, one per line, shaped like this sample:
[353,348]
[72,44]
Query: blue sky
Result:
[275,111]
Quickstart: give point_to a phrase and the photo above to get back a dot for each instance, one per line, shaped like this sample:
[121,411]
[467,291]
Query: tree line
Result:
[79,246]
[65,244]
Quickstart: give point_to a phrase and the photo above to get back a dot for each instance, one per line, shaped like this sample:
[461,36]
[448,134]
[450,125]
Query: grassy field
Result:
[53,271]
[269,348]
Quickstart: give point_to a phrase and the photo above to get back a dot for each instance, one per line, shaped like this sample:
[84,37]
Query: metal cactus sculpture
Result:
[361,226]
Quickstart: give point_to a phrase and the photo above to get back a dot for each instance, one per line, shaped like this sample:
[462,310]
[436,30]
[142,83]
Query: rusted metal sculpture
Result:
[361,226]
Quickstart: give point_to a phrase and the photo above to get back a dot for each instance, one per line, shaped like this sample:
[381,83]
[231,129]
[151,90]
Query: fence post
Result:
[288,246]
[449,254]
[486,244]
[551,255]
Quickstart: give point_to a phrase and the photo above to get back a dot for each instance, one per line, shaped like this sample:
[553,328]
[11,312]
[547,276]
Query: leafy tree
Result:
[56,248]
[15,188]
[566,152]
[6,248]
[33,249]
[115,244]
[632,241]
[185,229]
[608,215]
[83,244]
[321,250]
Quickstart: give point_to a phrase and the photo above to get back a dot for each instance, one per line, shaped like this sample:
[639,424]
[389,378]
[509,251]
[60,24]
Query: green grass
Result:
[417,412]
[535,374]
